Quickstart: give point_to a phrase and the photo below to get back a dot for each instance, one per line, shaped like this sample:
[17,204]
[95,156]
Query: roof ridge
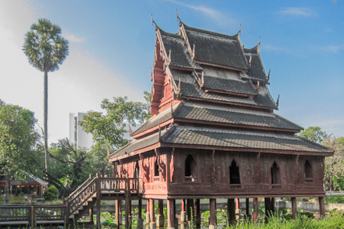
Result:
[233,37]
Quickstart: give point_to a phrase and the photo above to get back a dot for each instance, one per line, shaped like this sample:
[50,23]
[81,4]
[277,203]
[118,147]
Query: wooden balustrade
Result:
[32,214]
[89,190]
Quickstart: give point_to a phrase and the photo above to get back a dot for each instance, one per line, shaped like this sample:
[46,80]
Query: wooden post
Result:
[247,207]
[189,207]
[170,214]
[267,207]
[272,205]
[127,210]
[66,217]
[255,210]
[147,212]
[321,207]
[160,220]
[182,211]
[212,217]
[90,214]
[32,216]
[231,211]
[198,213]
[139,214]
[293,207]
[98,193]
[152,214]
[118,206]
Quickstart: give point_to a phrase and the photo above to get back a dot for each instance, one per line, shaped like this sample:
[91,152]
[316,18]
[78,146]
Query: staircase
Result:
[89,194]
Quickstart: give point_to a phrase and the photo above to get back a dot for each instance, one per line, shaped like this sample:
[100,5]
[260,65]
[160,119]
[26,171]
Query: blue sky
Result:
[112,51]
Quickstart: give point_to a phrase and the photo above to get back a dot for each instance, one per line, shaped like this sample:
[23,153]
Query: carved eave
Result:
[166,54]
[182,32]
[175,85]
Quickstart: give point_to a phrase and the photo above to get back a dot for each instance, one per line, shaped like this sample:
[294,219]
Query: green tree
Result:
[46,49]
[109,128]
[334,166]
[17,140]
[314,133]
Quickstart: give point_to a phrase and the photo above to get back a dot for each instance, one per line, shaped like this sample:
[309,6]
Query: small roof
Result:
[174,44]
[190,90]
[215,48]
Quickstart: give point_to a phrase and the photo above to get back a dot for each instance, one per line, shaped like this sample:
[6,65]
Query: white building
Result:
[77,136]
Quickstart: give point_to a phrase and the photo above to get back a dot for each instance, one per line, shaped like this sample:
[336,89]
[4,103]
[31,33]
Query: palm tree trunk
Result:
[46,121]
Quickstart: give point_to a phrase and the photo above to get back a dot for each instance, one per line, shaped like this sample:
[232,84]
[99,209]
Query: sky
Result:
[112,47]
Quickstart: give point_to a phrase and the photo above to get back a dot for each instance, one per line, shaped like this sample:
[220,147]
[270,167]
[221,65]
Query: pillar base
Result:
[140,223]
[152,225]
[160,221]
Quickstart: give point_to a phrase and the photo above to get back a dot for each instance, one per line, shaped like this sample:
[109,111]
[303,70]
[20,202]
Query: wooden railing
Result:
[88,191]
[100,184]
[32,214]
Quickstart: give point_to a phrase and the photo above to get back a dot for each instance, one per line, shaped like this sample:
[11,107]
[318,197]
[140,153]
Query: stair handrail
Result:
[85,183]
[80,193]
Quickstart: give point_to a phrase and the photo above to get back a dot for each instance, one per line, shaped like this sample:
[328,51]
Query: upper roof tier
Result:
[215,49]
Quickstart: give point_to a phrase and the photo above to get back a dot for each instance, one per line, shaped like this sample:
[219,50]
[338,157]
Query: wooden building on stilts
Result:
[214,134]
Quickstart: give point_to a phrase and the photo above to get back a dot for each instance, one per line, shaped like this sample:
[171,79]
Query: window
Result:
[137,171]
[156,168]
[234,173]
[308,170]
[275,174]
[189,166]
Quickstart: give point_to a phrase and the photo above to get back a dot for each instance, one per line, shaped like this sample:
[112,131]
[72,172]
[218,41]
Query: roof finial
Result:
[277,101]
[240,29]
[154,23]
[268,77]
[178,17]
[258,46]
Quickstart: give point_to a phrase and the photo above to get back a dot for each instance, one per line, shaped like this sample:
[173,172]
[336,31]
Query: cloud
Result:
[74,38]
[334,49]
[275,49]
[81,83]
[296,11]
[211,13]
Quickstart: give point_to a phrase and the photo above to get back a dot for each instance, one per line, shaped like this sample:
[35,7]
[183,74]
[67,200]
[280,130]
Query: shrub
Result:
[51,193]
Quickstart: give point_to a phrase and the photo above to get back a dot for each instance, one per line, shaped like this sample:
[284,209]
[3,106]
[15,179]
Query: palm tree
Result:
[46,49]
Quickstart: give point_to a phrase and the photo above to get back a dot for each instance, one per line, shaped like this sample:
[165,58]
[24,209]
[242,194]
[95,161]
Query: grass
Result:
[334,220]
[334,199]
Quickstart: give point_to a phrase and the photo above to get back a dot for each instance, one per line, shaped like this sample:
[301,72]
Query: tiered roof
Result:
[221,99]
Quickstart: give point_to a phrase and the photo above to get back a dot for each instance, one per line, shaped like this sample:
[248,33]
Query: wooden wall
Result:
[211,174]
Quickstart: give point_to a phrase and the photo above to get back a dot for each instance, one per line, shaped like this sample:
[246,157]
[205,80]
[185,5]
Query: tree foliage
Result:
[110,127]
[314,133]
[44,46]
[17,138]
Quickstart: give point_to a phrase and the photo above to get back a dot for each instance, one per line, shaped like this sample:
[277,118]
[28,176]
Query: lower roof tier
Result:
[221,139]
[211,115]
